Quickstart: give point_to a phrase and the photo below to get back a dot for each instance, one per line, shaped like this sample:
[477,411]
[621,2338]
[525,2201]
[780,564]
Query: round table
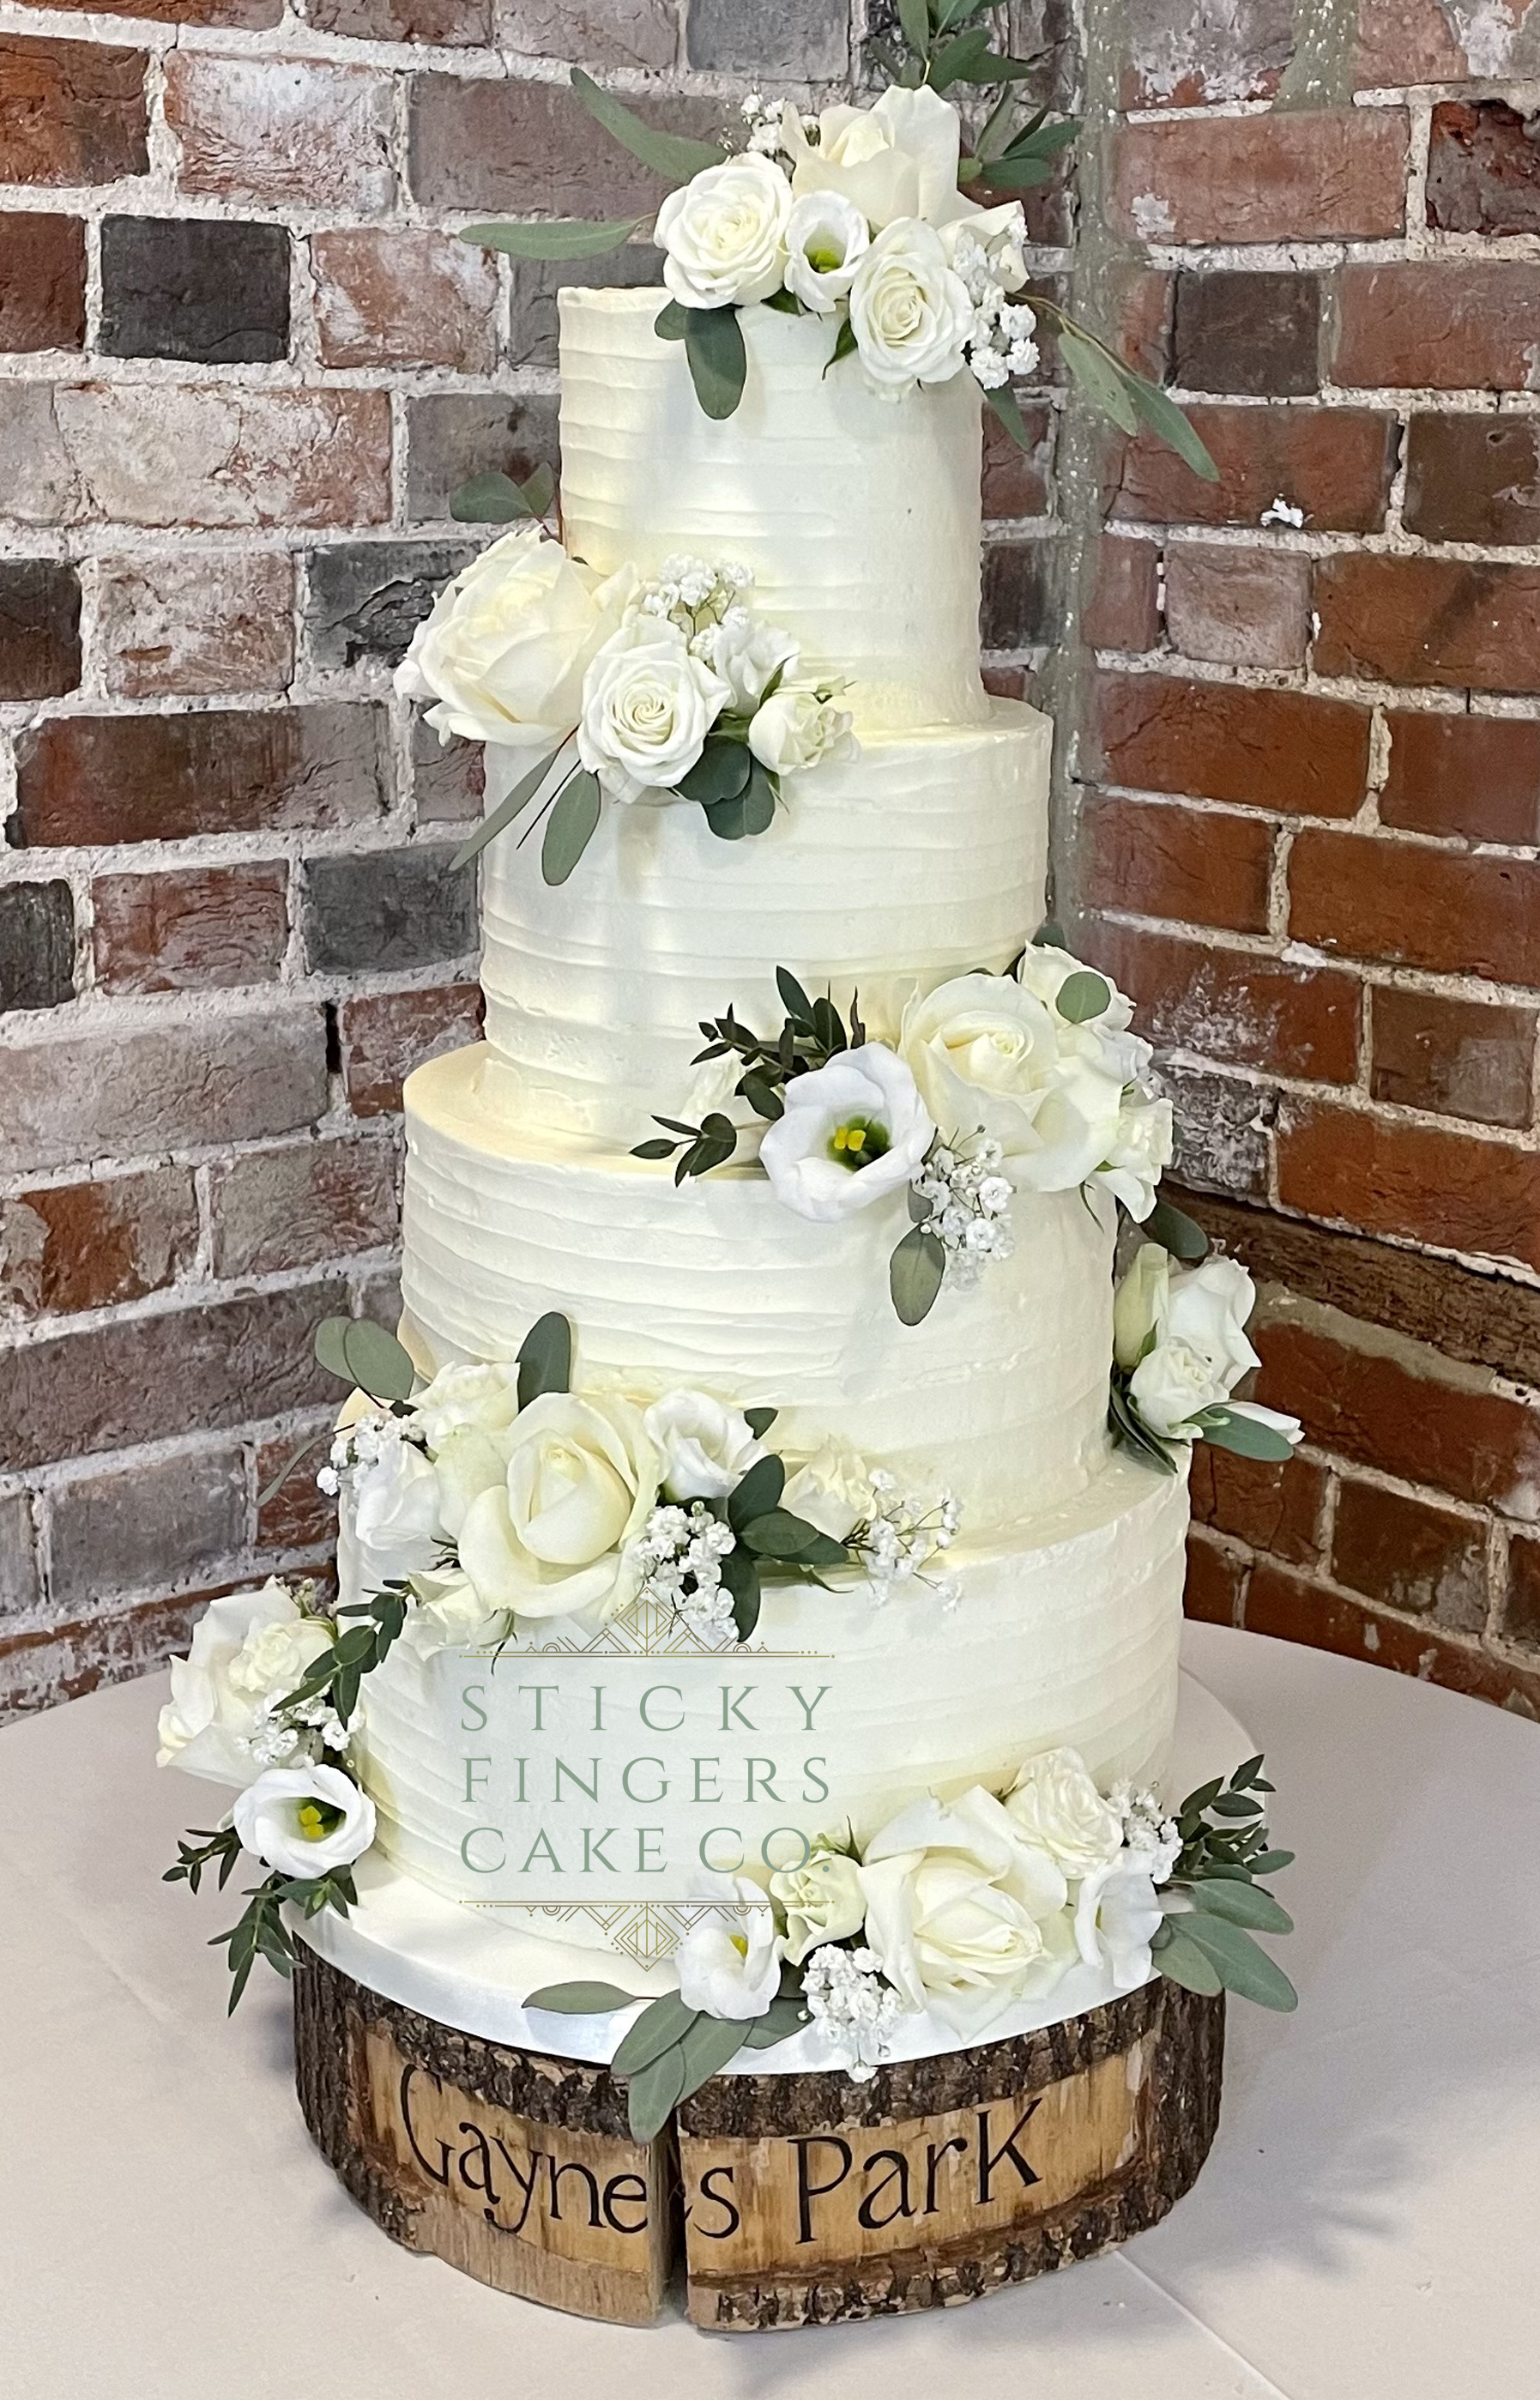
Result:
[1364,2229]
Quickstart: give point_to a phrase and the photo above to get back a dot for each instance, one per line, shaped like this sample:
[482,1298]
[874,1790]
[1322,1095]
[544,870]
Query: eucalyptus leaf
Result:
[672,323]
[719,364]
[1041,140]
[914,19]
[1083,995]
[763,1097]
[673,155]
[1003,401]
[1098,376]
[785,303]
[662,2023]
[709,2044]
[1234,1804]
[1159,412]
[1229,1429]
[720,774]
[1185,1963]
[759,1420]
[1243,1903]
[492,498]
[786,2014]
[1241,1964]
[757,1492]
[915,1273]
[512,806]
[1271,1862]
[1018,174]
[740,1575]
[844,343]
[554,236]
[654,2091]
[581,1999]
[545,1357]
[363,1353]
[1175,1231]
[960,59]
[750,811]
[780,1535]
[660,1147]
[793,1000]
[570,828]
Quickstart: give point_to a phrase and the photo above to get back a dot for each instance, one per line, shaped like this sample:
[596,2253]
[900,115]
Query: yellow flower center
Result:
[858,1142]
[316,1818]
[822,257]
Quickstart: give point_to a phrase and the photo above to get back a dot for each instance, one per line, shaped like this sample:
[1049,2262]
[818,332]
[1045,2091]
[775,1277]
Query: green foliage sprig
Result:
[811,1032]
[672,2048]
[1209,1946]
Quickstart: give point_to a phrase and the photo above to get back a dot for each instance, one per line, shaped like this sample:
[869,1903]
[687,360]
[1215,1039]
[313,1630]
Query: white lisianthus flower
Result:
[731,1967]
[823,1900]
[1056,1805]
[648,704]
[1142,1147]
[833,1491]
[448,1613]
[910,312]
[746,651]
[825,240]
[963,1914]
[304,1821]
[897,159]
[703,1450]
[504,651]
[1116,1914]
[851,1133]
[724,234]
[794,729]
[550,1538]
[248,1648]
[987,1053]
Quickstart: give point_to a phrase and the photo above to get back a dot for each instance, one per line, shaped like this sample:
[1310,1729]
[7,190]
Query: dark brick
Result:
[40,628]
[1483,168]
[1222,1130]
[1457,1057]
[36,945]
[1216,1581]
[533,147]
[71,112]
[1236,1005]
[1474,479]
[405,20]
[147,1528]
[191,929]
[385,1034]
[532,341]
[114,778]
[296,1517]
[448,778]
[21,1585]
[1273,1508]
[1334,463]
[1253,333]
[1123,611]
[1520,1621]
[42,282]
[61,1662]
[1479,776]
[366,599]
[77,1246]
[451,436]
[1018,596]
[1410,1182]
[1286,751]
[195,288]
[275,1209]
[1016,481]
[1395,1548]
[379,909]
[808,40]
[1462,623]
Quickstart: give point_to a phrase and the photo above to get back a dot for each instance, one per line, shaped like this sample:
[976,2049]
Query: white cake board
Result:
[467,1967]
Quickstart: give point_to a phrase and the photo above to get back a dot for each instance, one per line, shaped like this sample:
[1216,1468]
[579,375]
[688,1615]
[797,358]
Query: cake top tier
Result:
[859,516]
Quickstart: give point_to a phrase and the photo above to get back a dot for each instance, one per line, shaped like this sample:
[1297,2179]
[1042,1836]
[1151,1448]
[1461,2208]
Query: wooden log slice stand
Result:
[796,2198]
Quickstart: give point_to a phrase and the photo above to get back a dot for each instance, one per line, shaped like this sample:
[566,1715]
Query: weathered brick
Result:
[1180,57]
[1239,608]
[191,929]
[379,909]
[1473,479]
[808,40]
[1293,1609]
[42,282]
[451,436]
[1483,168]
[1407,41]
[644,33]
[1016,481]
[197,288]
[448,779]
[1411,1181]
[1430,620]
[1334,463]
[1281,750]
[157,454]
[1378,898]
[1451,323]
[298,130]
[112,779]
[161,1087]
[156,1527]
[1426,1560]
[1018,598]
[275,1209]
[1004,683]
[405,20]
[247,16]
[1234,1005]
[142,1378]
[1222,1130]
[1272,1509]
[1336,175]
[1124,612]
[196,622]
[1407,1413]
[1198,865]
[1518,1620]
[71,112]
[20,1584]
[536,283]
[366,599]
[1456,1057]
[62,1662]
[533,148]
[406,298]
[40,628]
[1479,776]
[1254,334]
[296,1517]
[385,1034]
[36,945]
[74,1246]
[1216,1581]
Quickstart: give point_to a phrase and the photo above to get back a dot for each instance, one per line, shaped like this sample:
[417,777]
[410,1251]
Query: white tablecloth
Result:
[1365,2228]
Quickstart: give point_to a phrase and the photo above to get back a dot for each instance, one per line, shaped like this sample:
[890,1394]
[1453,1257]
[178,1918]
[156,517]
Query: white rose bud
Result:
[910,312]
[1057,1807]
[724,234]
[823,1900]
[746,651]
[1200,1351]
[826,238]
[647,707]
[704,1449]
[1139,1306]
[794,729]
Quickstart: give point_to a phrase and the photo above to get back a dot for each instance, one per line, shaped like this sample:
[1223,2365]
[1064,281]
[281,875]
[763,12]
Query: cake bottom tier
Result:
[570,1779]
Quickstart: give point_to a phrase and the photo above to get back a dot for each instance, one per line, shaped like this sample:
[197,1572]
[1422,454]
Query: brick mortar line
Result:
[1305,820]
[1446,982]
[125,1014]
[1172,666]
[355,1267]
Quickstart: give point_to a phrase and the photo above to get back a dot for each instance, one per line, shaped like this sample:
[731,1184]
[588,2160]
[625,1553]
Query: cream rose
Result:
[833,1491]
[852,1132]
[794,729]
[448,1614]
[724,234]
[550,1538]
[1199,1351]
[910,312]
[822,1901]
[248,1648]
[464,1416]
[964,1916]
[1054,1805]
[1141,1148]
[826,238]
[647,707]
[897,159]
[989,1054]
[304,1821]
[746,651]
[504,651]
[731,1967]
[703,1450]
[396,1504]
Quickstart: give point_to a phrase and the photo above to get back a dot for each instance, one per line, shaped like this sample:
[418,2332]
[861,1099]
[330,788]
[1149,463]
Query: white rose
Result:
[898,159]
[793,729]
[704,1449]
[990,1054]
[963,1915]
[1138,1305]
[1142,1146]
[723,236]
[910,312]
[304,1821]
[823,1900]
[825,240]
[852,1132]
[448,1614]
[464,1415]
[1116,1913]
[647,707]
[504,650]
[1056,1805]
[398,1523]
[550,1539]
[746,651]
[731,1967]
[219,1688]
[833,1491]
[1201,1350]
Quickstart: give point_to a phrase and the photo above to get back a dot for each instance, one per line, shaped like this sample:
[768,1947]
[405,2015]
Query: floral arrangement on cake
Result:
[628,688]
